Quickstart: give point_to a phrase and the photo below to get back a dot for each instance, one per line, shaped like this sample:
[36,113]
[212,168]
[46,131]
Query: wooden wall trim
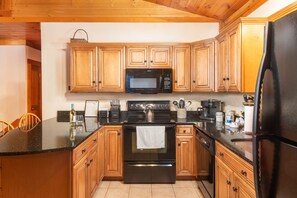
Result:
[286,10]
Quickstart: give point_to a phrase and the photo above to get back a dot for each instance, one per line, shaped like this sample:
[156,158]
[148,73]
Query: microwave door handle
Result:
[161,82]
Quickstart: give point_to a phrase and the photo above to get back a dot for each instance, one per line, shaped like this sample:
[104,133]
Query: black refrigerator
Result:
[275,113]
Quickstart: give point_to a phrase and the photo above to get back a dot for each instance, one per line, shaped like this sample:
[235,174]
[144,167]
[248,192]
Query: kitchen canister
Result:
[181,113]
[229,117]
[219,116]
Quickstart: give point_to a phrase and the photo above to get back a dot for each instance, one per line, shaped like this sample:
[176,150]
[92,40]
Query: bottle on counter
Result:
[72,115]
[219,116]
[72,132]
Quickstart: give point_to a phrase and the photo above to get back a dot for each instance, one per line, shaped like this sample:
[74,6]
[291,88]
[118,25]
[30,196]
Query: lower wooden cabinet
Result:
[233,175]
[85,170]
[113,151]
[185,151]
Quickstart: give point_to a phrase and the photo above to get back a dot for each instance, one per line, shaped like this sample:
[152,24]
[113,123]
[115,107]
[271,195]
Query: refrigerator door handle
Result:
[265,64]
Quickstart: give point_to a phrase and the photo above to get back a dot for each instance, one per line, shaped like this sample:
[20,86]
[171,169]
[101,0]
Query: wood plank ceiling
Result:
[22,11]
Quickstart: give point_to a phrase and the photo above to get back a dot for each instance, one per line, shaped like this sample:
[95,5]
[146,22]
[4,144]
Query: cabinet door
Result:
[136,57]
[100,154]
[203,67]
[160,56]
[92,171]
[113,151]
[80,172]
[83,69]
[242,189]
[223,180]
[221,66]
[111,69]
[184,156]
[181,69]
[234,60]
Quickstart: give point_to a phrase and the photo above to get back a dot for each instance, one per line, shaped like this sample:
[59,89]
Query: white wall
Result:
[13,82]
[270,7]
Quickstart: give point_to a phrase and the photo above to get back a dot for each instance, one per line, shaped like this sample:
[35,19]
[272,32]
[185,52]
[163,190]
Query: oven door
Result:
[144,81]
[132,154]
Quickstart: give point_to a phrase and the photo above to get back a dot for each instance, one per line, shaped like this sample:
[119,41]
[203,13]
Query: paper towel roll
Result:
[248,118]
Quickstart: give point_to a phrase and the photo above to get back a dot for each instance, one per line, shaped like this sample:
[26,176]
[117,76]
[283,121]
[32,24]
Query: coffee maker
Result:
[208,109]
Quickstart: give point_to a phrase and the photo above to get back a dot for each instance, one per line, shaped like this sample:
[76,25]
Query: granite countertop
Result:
[54,135]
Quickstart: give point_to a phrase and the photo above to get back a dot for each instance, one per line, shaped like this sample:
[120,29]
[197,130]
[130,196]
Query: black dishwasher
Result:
[206,163]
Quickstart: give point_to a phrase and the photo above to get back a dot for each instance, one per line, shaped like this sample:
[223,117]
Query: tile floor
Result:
[116,189]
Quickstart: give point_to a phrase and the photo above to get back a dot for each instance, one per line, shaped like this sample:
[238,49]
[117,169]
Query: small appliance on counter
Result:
[115,109]
[209,108]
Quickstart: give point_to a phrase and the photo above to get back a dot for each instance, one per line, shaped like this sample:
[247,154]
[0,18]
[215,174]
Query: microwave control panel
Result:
[167,82]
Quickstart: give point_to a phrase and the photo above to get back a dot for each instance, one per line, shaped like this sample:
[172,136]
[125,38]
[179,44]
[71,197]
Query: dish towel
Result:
[150,137]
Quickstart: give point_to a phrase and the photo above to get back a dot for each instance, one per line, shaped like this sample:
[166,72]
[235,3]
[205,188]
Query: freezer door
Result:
[275,167]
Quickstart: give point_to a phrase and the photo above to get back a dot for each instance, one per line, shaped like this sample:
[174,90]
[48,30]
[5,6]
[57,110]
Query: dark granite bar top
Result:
[54,135]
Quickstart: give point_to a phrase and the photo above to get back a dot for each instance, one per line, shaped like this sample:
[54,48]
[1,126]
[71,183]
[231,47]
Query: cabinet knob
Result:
[83,151]
[184,131]
[94,82]
[175,81]
[243,172]
[119,134]
[228,182]
[99,81]
[91,161]
[234,189]
[152,61]
[94,140]
[221,154]
[227,78]
[194,81]
[88,164]
[145,61]
[224,79]
[178,144]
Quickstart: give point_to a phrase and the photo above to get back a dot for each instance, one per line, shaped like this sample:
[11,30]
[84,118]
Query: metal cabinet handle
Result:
[244,173]
[228,182]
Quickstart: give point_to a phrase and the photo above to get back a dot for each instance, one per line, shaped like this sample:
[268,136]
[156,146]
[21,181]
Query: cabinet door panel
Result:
[181,69]
[80,179]
[137,57]
[184,156]
[234,72]
[243,190]
[203,67]
[221,66]
[160,57]
[92,171]
[100,154]
[113,151]
[223,177]
[83,69]
[111,69]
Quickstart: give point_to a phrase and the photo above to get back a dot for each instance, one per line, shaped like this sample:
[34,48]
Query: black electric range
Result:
[149,165]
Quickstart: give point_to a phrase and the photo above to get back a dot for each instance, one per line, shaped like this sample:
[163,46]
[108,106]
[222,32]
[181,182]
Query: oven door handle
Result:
[133,126]
[151,165]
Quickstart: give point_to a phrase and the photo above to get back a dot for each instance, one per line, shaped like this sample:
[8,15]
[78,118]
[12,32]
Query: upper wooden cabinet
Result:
[152,56]
[96,68]
[83,68]
[181,68]
[203,66]
[239,52]
[111,69]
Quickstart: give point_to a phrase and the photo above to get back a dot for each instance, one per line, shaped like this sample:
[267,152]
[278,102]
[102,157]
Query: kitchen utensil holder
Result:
[181,113]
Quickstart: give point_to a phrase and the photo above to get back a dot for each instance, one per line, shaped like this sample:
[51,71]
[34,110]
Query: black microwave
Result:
[148,81]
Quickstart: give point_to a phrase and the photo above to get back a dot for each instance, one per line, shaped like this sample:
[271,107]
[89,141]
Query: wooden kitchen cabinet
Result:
[96,68]
[113,151]
[185,151]
[83,68]
[181,68]
[85,160]
[111,69]
[149,56]
[239,52]
[203,66]
[101,154]
[234,176]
